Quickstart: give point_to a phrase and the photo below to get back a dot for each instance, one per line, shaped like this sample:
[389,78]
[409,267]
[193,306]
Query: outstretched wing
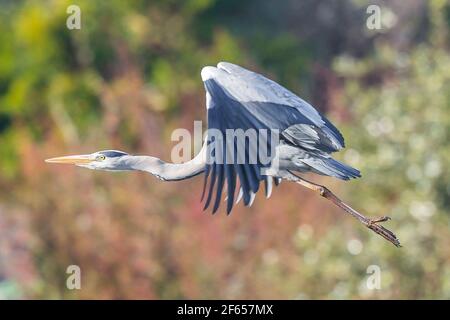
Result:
[238,99]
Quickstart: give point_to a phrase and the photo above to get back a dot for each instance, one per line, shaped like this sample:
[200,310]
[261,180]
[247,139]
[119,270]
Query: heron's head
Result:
[111,160]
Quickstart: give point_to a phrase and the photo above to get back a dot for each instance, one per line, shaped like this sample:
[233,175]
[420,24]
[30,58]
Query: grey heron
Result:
[239,99]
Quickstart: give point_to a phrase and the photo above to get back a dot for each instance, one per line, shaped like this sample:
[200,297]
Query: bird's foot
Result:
[378,220]
[373,224]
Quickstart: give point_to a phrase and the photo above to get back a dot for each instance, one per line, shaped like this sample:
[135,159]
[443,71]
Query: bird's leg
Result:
[369,223]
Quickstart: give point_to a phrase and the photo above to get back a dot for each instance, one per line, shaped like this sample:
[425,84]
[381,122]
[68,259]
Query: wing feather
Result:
[240,99]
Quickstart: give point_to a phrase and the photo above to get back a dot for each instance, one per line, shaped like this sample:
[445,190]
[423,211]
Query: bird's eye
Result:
[101,157]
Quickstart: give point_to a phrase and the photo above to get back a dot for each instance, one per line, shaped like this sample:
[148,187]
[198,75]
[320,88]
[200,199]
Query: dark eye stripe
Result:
[112,154]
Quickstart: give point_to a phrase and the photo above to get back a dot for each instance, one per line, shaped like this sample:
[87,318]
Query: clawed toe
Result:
[378,220]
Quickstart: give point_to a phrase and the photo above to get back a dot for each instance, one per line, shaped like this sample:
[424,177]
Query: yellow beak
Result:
[78,159]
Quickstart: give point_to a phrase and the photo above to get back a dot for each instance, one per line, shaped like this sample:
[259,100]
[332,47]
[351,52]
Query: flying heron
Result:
[239,99]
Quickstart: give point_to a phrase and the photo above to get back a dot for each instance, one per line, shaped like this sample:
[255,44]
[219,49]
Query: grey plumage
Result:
[240,99]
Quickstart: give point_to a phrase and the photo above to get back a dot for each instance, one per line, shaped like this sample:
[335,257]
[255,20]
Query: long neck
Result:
[169,171]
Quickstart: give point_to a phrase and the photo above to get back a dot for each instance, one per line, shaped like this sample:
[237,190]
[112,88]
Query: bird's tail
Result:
[344,171]
[333,168]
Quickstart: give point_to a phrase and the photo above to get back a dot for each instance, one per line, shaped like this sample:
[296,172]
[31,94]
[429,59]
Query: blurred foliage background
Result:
[131,75]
